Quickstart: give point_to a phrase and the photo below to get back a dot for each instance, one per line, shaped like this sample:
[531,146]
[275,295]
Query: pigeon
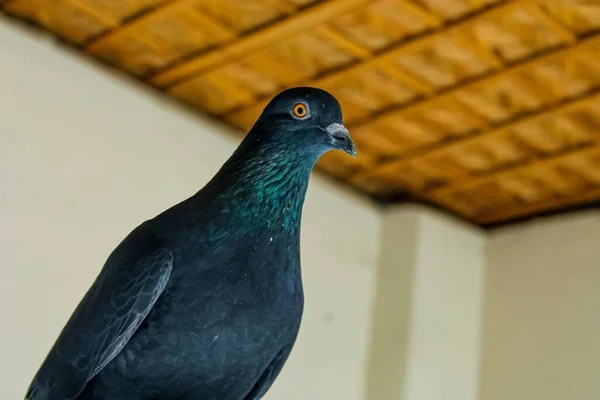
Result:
[204,301]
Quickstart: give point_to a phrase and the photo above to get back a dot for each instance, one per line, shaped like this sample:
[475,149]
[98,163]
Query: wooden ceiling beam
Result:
[268,36]
[530,164]
[554,203]
[505,213]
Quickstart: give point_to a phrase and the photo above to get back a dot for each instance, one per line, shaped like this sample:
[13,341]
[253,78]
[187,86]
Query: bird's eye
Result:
[300,110]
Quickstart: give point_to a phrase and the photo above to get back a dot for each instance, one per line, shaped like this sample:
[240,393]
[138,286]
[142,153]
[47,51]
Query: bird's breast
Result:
[254,289]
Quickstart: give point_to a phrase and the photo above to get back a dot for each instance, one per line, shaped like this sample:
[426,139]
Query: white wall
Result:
[85,157]
[427,319]
[542,311]
[443,354]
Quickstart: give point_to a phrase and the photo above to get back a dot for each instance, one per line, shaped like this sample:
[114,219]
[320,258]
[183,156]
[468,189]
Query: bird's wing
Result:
[269,374]
[123,294]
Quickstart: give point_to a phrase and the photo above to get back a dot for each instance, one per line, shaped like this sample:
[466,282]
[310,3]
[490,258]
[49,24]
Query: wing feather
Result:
[122,295]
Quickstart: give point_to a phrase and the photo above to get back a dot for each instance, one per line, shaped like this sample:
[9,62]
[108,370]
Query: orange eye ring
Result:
[300,110]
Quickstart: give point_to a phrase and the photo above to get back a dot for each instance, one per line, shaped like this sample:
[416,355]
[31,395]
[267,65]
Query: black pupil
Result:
[300,110]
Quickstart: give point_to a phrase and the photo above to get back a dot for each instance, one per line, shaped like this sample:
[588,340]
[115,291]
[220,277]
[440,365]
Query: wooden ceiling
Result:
[487,108]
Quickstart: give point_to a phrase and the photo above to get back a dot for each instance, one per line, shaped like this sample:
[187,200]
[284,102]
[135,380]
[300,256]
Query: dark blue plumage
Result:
[205,300]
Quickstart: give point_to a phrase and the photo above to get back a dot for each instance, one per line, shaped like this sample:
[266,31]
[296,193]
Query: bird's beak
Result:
[340,138]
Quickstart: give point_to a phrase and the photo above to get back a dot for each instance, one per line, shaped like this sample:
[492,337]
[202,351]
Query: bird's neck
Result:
[264,186]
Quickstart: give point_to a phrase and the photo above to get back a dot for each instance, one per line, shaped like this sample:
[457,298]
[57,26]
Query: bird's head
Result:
[305,119]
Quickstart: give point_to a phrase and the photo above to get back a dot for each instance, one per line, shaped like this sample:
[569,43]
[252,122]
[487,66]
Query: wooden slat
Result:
[427,16]
[4,4]
[475,45]
[414,82]
[562,31]
[343,42]
[206,21]
[476,3]
[213,26]
[282,6]
[265,37]
[106,19]
[73,22]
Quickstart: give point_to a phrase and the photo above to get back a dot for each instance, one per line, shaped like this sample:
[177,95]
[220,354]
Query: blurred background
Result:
[456,258]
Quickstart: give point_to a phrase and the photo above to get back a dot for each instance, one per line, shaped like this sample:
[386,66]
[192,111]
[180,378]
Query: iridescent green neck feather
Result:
[264,185]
